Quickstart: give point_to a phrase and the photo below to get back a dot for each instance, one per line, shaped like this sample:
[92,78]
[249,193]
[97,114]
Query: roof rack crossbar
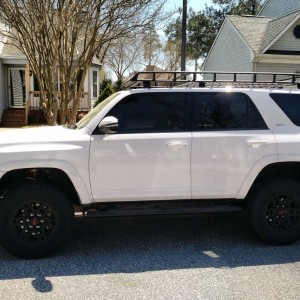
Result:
[147,84]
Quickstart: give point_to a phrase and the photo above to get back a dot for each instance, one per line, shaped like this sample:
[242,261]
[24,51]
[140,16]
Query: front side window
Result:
[225,111]
[94,112]
[289,104]
[152,113]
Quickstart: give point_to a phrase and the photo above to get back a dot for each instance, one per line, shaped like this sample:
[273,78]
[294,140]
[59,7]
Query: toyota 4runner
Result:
[153,151]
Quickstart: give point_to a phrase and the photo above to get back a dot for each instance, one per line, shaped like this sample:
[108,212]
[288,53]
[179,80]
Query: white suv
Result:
[156,151]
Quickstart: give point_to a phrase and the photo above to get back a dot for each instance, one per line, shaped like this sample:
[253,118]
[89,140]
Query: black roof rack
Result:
[151,79]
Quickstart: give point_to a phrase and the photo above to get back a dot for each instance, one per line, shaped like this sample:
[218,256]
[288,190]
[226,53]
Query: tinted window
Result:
[290,104]
[152,112]
[223,111]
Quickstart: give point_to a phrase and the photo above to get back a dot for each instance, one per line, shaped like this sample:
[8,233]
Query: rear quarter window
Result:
[289,104]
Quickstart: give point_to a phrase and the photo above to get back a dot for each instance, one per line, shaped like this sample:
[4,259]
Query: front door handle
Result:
[177,146]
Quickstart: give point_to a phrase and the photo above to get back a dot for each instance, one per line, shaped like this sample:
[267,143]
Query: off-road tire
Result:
[274,211]
[35,219]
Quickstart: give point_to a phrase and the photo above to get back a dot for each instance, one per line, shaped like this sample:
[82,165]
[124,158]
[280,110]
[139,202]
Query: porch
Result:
[20,93]
[30,113]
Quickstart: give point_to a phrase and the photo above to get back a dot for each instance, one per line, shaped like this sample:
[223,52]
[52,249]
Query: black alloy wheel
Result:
[283,213]
[34,222]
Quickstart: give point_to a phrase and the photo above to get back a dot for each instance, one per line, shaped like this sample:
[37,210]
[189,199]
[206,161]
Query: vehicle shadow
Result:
[133,245]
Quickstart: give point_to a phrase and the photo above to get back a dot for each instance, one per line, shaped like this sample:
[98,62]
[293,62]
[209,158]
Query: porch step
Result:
[13,117]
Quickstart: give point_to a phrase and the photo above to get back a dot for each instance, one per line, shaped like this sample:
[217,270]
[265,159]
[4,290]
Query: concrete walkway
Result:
[9,128]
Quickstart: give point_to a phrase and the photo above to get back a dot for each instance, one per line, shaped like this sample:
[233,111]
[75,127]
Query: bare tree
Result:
[152,46]
[171,54]
[124,56]
[61,38]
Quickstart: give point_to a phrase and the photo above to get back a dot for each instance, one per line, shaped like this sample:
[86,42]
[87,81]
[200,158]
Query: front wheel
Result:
[274,210]
[34,220]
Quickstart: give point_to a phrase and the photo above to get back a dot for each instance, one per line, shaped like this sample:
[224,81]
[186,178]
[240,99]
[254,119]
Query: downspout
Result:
[254,67]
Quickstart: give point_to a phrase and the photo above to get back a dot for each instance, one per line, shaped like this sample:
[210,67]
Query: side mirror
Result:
[109,125]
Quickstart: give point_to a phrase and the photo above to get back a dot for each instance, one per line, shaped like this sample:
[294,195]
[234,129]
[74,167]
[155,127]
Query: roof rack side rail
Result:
[153,78]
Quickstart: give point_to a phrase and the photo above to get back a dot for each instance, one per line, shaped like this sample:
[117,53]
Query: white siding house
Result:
[258,43]
[18,87]
[2,80]
[279,8]
[287,41]
[2,89]
[242,58]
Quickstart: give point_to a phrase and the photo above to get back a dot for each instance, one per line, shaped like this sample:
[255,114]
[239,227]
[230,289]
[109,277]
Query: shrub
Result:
[108,90]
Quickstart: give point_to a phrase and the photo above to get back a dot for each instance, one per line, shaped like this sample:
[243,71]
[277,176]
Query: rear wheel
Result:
[275,211]
[34,220]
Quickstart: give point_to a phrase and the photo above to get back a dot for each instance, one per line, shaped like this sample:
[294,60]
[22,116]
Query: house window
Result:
[79,77]
[36,86]
[297,31]
[95,84]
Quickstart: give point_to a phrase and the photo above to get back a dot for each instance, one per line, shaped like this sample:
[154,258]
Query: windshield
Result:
[90,116]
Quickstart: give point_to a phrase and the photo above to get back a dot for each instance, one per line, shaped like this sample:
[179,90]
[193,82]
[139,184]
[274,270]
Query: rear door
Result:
[229,138]
[149,157]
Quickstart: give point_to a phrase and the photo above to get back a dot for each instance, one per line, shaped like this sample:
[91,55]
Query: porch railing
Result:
[34,103]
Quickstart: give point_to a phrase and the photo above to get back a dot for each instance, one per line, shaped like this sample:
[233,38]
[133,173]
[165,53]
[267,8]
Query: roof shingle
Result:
[252,29]
[259,32]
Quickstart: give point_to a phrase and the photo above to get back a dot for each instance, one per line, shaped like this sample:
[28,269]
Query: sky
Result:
[172,5]
[195,4]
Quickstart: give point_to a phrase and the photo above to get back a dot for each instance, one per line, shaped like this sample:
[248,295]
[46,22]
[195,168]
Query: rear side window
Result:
[289,104]
[225,111]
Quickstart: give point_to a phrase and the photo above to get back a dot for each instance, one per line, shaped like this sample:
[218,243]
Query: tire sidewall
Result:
[258,207]
[16,199]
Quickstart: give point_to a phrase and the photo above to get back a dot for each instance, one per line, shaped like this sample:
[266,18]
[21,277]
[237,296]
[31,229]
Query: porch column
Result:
[27,89]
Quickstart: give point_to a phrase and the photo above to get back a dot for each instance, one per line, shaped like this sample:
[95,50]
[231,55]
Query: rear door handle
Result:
[257,143]
[177,146]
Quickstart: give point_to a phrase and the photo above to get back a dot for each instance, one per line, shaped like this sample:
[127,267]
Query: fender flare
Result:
[253,173]
[80,181]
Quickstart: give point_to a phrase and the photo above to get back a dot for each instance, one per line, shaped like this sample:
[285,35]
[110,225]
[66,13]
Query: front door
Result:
[16,87]
[149,157]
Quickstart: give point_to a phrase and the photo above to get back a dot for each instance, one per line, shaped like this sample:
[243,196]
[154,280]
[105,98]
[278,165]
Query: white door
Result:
[149,157]
[17,91]
[229,138]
